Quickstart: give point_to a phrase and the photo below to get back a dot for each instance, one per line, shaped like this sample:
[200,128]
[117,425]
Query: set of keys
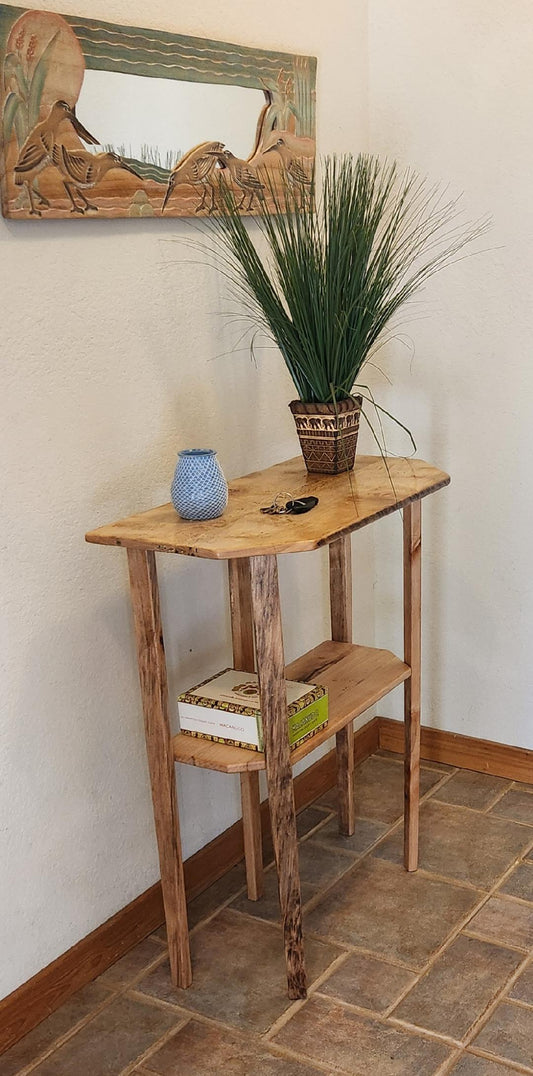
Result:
[295,506]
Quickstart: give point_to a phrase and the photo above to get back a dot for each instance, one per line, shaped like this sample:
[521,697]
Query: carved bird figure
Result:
[82,170]
[244,175]
[299,145]
[36,152]
[197,168]
[294,165]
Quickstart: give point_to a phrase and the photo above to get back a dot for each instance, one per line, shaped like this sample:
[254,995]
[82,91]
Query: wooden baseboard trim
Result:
[484,756]
[48,989]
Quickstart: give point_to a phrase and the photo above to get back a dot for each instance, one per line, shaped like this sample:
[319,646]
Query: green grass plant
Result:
[328,266]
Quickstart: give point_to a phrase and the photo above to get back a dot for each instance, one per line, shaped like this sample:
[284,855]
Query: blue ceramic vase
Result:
[199,489]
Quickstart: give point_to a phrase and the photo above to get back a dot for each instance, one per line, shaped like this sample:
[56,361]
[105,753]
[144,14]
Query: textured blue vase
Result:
[199,489]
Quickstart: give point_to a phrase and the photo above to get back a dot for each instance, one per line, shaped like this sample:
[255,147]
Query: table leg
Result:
[340,594]
[412,549]
[240,596]
[154,690]
[270,667]
[243,659]
[251,823]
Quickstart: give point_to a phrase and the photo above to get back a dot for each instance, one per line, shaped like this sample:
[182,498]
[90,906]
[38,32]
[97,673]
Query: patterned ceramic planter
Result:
[328,434]
[199,489]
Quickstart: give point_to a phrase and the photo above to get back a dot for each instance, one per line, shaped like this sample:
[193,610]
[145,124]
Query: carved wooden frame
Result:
[42,60]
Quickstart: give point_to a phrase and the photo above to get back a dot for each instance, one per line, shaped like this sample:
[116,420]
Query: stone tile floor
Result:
[409,974]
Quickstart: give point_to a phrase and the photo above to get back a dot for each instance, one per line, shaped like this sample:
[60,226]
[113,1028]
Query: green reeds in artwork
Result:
[25,72]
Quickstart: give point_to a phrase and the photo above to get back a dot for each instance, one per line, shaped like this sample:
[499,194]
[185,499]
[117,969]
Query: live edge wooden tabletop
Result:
[346,502]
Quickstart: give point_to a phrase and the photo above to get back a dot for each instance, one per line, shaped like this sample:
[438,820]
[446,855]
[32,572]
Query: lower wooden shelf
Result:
[356,677]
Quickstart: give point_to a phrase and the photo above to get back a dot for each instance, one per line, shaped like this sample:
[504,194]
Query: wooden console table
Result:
[356,676]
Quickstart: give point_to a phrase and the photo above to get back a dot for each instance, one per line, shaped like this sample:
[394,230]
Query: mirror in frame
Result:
[100,120]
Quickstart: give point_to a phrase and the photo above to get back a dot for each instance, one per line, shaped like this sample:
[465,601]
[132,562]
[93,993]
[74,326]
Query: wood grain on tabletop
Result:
[346,502]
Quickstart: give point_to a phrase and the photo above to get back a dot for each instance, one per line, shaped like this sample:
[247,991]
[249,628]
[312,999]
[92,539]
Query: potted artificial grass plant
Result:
[336,259]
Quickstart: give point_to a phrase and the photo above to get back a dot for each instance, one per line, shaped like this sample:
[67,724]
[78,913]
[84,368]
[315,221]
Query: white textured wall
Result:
[111,345]
[450,92]
[110,362]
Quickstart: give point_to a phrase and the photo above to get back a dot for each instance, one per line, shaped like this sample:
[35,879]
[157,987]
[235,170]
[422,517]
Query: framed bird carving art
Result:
[101,120]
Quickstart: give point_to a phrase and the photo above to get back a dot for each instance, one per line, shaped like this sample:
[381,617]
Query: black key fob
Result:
[301,505]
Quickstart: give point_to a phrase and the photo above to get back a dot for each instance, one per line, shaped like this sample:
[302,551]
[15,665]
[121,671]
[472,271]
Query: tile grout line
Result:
[472,1029]
[484,1018]
[219,908]
[414,1029]
[158,940]
[518,1001]
[383,1018]
[448,942]
[329,846]
[330,1068]
[62,1039]
[497,798]
[291,1011]
[384,1013]
[320,825]
[417,1032]
[515,1066]
[331,813]
[446,1066]
[515,821]
[116,993]
[479,936]
[459,1045]
[191,1015]
[317,897]
[476,810]
[345,852]
[425,763]
[132,1066]
[211,1021]
[488,894]
[395,962]
[510,896]
[283,1019]
[187,1014]
[311,904]
[459,883]
[267,868]
[390,1008]
[286,1054]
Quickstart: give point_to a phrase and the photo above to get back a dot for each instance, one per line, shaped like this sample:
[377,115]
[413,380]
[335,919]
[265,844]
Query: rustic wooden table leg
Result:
[251,822]
[243,659]
[340,593]
[154,690]
[270,667]
[412,560]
